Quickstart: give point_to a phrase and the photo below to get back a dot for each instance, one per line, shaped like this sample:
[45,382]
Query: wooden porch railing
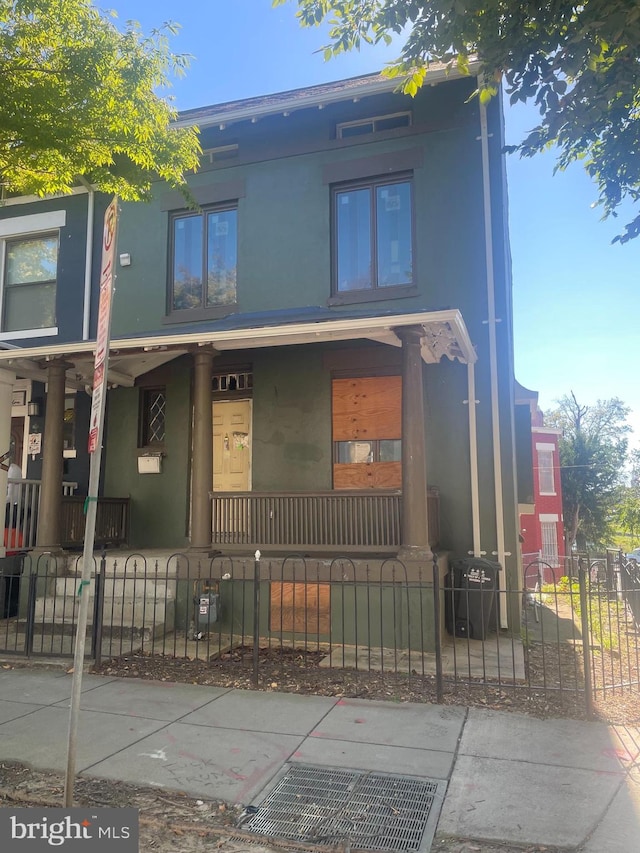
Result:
[112,520]
[352,520]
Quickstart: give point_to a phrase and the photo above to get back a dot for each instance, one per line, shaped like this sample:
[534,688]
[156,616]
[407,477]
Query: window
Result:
[204,259]
[360,127]
[29,283]
[152,417]
[69,425]
[549,542]
[373,225]
[366,431]
[545,471]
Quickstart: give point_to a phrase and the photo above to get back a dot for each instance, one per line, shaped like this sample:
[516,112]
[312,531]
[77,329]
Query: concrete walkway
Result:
[510,777]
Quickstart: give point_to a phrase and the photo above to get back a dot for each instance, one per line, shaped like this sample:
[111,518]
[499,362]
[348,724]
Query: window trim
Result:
[201,312]
[145,392]
[375,292]
[33,225]
[547,449]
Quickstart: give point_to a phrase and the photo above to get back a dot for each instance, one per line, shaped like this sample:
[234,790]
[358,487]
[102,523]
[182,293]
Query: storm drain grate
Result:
[370,811]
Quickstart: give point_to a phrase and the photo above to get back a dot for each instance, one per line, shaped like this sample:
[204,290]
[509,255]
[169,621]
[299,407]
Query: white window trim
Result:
[548,518]
[26,226]
[547,448]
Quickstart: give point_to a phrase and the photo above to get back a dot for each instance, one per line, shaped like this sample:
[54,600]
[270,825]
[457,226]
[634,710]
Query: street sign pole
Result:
[96,428]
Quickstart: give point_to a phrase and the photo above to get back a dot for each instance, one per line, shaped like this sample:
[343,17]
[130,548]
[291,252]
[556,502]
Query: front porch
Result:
[344,521]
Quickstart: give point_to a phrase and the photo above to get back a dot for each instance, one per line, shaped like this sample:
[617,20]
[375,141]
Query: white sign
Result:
[34,443]
[104,322]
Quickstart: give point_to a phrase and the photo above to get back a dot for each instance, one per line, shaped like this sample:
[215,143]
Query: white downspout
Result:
[88,259]
[473,457]
[493,356]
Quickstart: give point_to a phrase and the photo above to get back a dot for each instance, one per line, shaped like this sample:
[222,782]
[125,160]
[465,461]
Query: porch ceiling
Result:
[445,335]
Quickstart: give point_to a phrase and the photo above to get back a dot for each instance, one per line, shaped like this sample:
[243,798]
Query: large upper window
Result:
[204,259]
[29,283]
[373,228]
[545,470]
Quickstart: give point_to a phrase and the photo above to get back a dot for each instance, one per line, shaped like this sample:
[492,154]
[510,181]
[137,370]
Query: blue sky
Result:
[576,296]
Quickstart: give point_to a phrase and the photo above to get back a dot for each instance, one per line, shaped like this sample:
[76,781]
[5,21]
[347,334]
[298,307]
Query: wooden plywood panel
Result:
[367,407]
[300,608]
[369,475]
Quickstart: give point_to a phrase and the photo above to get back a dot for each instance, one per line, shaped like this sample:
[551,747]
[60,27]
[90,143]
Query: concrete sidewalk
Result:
[510,777]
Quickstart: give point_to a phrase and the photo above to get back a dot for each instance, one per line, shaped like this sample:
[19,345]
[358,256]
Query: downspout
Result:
[493,356]
[88,259]
[473,457]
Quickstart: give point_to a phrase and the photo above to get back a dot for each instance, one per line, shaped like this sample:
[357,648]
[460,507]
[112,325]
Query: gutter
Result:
[493,357]
[88,258]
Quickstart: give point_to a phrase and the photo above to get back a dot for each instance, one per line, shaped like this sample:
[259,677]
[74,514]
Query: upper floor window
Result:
[376,124]
[545,471]
[29,283]
[373,235]
[204,259]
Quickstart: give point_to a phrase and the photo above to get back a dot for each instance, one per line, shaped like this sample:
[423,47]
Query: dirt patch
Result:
[557,671]
[172,822]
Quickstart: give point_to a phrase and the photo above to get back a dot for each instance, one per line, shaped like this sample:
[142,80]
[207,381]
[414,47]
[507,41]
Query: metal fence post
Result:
[437,627]
[98,600]
[31,614]
[586,639]
[256,616]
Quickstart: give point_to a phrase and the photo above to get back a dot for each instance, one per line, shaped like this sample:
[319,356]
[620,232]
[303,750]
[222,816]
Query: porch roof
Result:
[445,335]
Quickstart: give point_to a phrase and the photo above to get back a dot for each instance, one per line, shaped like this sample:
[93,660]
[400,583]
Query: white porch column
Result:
[7,379]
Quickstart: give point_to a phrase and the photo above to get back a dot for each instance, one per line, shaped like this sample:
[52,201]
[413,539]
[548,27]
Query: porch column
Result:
[415,524]
[202,461]
[51,488]
[7,378]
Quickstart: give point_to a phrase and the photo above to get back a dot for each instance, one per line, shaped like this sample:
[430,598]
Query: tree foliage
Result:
[593,450]
[578,62]
[79,99]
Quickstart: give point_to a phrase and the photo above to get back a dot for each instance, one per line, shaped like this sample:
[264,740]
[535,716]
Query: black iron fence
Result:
[329,625]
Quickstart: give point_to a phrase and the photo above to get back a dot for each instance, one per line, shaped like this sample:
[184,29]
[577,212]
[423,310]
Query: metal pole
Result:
[437,626]
[586,642]
[91,505]
[256,616]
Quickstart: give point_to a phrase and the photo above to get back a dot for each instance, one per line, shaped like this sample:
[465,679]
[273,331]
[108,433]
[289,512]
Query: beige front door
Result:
[232,446]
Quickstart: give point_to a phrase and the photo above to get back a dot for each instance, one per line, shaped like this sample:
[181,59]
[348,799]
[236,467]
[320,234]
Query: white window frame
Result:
[549,451]
[33,225]
[549,539]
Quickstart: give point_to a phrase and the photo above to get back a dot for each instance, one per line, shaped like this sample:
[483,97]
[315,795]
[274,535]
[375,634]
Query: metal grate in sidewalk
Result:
[366,810]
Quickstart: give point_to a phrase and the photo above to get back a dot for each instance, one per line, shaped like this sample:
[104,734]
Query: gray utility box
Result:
[206,605]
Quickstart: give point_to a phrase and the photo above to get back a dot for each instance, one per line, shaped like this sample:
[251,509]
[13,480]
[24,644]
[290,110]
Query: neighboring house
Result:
[320,358]
[541,527]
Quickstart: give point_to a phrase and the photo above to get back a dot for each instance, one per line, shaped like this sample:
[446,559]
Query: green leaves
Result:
[79,99]
[593,450]
[577,62]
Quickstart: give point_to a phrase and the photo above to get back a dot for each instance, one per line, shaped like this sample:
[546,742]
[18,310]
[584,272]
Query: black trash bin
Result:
[10,572]
[470,598]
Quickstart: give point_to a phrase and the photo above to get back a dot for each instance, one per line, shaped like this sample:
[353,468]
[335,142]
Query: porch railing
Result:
[355,520]
[112,521]
[21,521]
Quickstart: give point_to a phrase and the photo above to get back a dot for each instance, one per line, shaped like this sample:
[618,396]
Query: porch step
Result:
[118,563]
[129,602]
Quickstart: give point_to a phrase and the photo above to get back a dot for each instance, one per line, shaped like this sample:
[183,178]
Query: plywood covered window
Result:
[367,430]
